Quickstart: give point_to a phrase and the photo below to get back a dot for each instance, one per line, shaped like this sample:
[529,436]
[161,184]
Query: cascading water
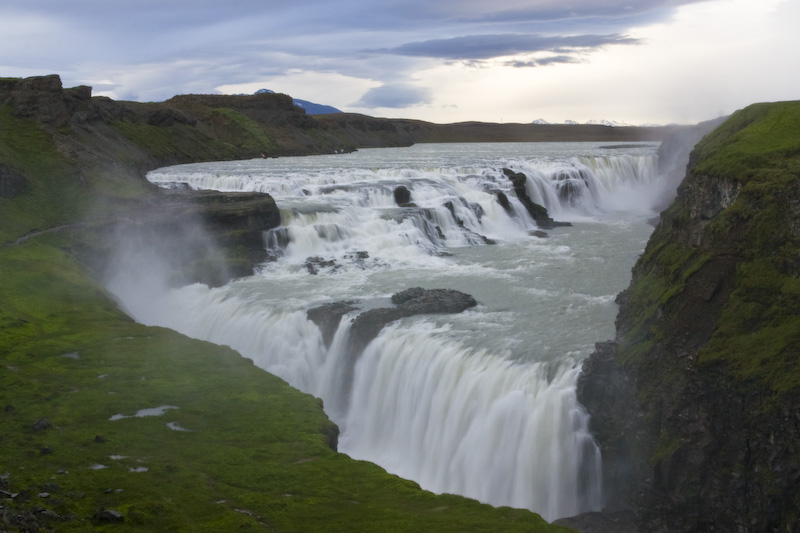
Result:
[481,403]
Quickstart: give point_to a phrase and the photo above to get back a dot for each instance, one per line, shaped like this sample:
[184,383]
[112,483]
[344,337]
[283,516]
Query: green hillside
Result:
[235,449]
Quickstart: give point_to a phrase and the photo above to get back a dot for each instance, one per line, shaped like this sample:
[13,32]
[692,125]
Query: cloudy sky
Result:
[634,61]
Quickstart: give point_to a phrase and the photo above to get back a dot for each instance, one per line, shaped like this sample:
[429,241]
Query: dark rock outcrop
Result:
[536,211]
[367,325]
[316,263]
[415,301]
[696,403]
[402,196]
[328,316]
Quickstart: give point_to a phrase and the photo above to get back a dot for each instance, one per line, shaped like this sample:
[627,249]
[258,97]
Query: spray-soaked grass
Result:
[757,333]
[245,451]
[255,453]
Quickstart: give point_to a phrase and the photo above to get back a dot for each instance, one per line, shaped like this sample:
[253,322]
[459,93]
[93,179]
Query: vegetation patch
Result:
[226,446]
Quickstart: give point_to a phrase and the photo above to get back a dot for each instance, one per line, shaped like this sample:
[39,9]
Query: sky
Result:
[631,61]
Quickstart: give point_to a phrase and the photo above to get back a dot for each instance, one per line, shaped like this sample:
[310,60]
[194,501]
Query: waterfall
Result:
[481,403]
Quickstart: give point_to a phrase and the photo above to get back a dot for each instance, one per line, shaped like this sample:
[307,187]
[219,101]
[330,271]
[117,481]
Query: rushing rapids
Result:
[481,403]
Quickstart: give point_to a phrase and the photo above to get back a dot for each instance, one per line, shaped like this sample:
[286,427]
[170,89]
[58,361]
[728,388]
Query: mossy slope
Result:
[708,341]
[244,451]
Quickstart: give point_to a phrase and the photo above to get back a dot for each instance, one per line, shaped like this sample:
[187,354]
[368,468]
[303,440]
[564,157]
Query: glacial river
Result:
[480,403]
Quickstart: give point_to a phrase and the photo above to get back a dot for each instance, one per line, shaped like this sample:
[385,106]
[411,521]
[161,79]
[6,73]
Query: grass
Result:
[761,136]
[55,195]
[757,333]
[257,452]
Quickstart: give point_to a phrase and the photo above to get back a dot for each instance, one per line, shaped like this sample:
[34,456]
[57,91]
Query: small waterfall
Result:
[442,401]
[332,213]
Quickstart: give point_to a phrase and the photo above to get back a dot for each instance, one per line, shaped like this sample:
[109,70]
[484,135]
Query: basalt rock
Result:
[537,212]
[402,196]
[414,301]
[696,402]
[328,316]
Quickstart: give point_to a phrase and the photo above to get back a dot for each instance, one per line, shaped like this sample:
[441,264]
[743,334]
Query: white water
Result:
[481,403]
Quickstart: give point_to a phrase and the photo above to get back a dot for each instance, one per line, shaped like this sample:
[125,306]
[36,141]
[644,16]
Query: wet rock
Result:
[108,516]
[414,301]
[402,196]
[536,211]
[423,301]
[315,264]
[357,256]
[476,238]
[617,522]
[328,316]
[502,199]
[41,424]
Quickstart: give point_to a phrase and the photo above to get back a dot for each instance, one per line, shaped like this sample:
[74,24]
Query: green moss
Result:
[757,331]
[661,275]
[55,194]
[666,446]
[178,142]
[251,136]
[757,137]
[256,454]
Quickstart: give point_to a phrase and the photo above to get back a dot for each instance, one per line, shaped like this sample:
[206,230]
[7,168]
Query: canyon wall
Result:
[696,402]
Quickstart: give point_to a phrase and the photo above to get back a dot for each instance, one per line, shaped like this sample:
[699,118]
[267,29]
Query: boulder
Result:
[40,97]
[414,301]
[402,196]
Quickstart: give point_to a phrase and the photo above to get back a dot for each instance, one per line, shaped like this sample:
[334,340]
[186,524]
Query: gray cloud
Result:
[543,62]
[395,95]
[153,49]
[489,46]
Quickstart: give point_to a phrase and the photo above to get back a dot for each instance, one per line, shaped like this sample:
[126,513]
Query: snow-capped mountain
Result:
[604,122]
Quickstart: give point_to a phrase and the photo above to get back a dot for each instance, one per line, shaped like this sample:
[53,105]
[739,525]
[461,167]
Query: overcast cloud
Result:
[438,60]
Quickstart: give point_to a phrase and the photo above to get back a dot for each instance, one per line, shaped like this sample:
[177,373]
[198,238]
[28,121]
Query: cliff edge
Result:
[696,402]
[106,423]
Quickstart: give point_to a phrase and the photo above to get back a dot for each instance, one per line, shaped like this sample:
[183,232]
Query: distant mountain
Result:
[540,121]
[310,107]
[571,122]
[604,122]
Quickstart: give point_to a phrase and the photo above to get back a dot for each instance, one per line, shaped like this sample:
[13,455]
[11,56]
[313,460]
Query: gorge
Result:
[672,447]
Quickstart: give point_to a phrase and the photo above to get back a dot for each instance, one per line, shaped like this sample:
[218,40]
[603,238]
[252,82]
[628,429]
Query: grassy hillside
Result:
[736,223]
[235,448]
[699,430]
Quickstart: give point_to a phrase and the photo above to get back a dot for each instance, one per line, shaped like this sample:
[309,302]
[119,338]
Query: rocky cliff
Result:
[696,402]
